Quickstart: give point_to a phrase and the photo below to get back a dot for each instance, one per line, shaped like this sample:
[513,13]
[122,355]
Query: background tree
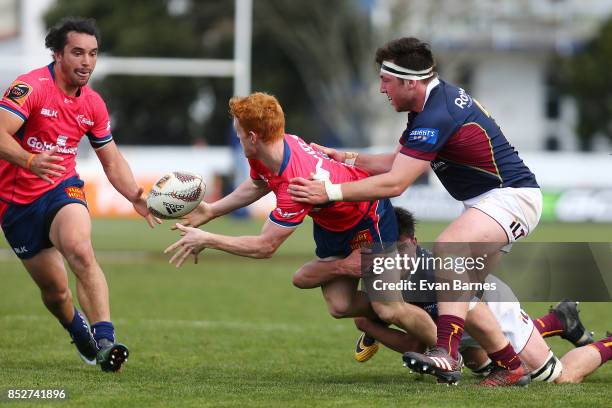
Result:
[588,78]
[315,56]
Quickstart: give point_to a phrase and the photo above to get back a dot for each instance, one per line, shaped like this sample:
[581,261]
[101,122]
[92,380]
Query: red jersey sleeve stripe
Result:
[429,156]
[286,224]
[13,111]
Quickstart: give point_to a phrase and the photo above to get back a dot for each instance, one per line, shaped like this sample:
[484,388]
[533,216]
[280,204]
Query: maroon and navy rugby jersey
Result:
[466,148]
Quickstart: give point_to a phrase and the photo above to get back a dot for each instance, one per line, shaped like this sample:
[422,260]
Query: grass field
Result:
[234,332]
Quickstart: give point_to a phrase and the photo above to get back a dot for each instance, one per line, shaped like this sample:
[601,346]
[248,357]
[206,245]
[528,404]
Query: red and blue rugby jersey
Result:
[300,160]
[467,149]
[50,118]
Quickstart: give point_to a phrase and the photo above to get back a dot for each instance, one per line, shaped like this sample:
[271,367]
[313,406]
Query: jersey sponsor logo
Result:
[82,119]
[61,140]
[75,192]
[50,113]
[360,238]
[18,92]
[426,135]
[463,100]
[39,146]
[286,214]
[438,165]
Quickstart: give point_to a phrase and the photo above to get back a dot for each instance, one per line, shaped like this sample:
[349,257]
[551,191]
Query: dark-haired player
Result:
[525,335]
[43,210]
[450,132]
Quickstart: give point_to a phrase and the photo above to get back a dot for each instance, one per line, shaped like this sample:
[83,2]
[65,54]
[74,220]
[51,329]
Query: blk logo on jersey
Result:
[21,250]
[50,113]
[18,92]
[426,135]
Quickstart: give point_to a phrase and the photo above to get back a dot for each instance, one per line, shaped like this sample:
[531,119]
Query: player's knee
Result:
[339,309]
[80,255]
[56,295]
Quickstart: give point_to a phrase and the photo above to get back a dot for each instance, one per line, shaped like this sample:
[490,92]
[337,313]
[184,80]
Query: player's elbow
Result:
[395,190]
[266,251]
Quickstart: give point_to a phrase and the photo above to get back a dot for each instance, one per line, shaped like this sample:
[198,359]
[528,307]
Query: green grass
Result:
[234,332]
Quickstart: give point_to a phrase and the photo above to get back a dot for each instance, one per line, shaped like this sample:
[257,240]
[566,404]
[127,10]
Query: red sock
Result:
[450,330]
[549,325]
[604,346]
[506,358]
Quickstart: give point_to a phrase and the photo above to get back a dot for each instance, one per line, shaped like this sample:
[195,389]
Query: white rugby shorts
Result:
[514,322]
[516,210]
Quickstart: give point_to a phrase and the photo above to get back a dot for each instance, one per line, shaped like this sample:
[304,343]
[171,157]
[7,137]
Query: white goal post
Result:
[238,68]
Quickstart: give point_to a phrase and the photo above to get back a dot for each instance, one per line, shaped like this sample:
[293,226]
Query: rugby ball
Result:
[176,194]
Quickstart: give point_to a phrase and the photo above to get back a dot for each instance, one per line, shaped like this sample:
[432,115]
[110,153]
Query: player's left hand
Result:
[193,241]
[307,191]
[140,205]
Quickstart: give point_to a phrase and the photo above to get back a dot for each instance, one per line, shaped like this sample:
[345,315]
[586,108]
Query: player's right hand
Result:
[332,153]
[43,165]
[199,216]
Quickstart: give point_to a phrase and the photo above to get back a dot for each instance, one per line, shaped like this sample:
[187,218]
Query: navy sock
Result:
[78,327]
[103,330]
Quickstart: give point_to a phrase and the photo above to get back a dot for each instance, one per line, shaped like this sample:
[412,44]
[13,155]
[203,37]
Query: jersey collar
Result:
[286,156]
[431,85]
[51,66]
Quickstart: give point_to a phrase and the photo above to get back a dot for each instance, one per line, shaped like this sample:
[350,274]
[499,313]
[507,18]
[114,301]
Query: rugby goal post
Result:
[238,68]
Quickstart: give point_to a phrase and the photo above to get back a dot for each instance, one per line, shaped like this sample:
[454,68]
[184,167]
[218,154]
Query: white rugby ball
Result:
[176,194]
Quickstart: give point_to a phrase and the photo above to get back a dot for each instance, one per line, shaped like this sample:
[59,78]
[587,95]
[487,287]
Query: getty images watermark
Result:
[530,271]
[408,266]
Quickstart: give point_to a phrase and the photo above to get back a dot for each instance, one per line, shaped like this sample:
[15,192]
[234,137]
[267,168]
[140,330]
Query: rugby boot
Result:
[111,356]
[86,347]
[437,362]
[502,377]
[366,348]
[573,329]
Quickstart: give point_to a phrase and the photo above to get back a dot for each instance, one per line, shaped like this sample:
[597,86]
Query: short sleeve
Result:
[100,132]
[427,137]
[288,213]
[20,98]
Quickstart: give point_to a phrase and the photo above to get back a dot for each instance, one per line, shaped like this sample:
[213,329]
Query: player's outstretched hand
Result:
[140,205]
[44,165]
[193,241]
[307,191]
[199,216]
[332,153]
